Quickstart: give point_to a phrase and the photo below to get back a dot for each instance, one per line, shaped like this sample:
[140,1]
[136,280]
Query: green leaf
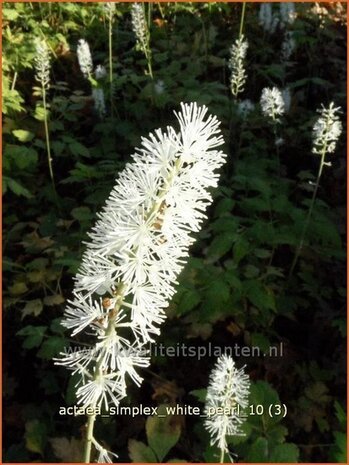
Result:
[259,295]
[33,336]
[240,250]
[163,432]
[40,113]
[23,135]
[140,452]
[200,394]
[82,214]
[55,299]
[258,452]
[220,245]
[78,149]
[190,298]
[285,453]
[52,347]
[33,307]
[224,205]
[18,288]
[15,187]
[261,341]
[35,436]
[339,450]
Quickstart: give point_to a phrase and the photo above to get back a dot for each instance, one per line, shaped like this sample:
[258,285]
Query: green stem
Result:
[221,460]
[242,19]
[48,147]
[14,80]
[111,61]
[92,418]
[89,436]
[310,211]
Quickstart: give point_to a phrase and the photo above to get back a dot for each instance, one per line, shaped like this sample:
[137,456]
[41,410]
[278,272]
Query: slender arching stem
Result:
[310,211]
[242,19]
[48,147]
[110,18]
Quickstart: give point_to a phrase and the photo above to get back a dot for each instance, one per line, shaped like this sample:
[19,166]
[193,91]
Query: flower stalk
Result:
[228,391]
[137,249]
[42,75]
[326,132]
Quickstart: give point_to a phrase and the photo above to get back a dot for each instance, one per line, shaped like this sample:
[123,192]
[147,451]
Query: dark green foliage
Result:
[235,289]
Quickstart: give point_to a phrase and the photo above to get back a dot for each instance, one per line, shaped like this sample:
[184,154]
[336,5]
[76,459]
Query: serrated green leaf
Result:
[162,432]
[23,135]
[140,452]
[35,436]
[284,453]
[51,347]
[33,307]
[33,336]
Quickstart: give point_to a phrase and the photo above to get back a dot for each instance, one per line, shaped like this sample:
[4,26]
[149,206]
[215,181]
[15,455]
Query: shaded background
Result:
[233,289]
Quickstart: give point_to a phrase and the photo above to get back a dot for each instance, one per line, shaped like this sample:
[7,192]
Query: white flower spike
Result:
[136,251]
[42,63]
[139,24]
[327,130]
[237,65]
[84,58]
[228,391]
[272,103]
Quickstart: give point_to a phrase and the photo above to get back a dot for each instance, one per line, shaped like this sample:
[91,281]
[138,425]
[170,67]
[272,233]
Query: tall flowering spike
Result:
[139,24]
[327,130]
[267,18]
[237,65]
[100,72]
[287,12]
[272,103]
[228,389]
[136,251]
[286,95]
[99,101]
[84,58]
[288,46]
[109,8]
[245,107]
[42,63]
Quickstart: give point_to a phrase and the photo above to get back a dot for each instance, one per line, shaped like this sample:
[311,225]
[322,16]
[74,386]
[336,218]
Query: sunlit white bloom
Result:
[288,46]
[104,455]
[84,58]
[42,63]
[287,12]
[99,101]
[227,392]
[245,107]
[137,248]
[81,312]
[272,103]
[327,130]
[100,72]
[100,390]
[139,24]
[237,65]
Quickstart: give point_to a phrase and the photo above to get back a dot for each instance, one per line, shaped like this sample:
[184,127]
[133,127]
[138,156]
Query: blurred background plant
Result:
[234,289]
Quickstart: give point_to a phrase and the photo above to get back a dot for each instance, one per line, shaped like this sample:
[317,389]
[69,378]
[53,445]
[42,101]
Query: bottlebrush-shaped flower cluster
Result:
[136,251]
[228,390]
